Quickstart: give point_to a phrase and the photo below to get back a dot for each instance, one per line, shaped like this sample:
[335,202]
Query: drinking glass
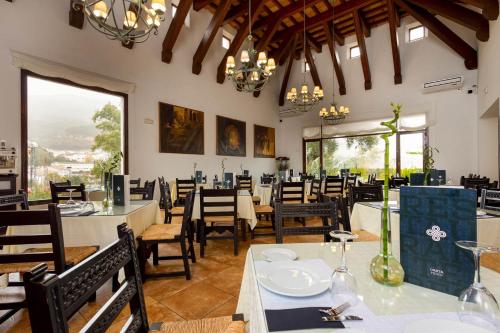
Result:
[343,283]
[477,304]
[70,201]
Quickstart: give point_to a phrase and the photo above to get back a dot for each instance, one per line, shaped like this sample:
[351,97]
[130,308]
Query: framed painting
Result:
[264,142]
[181,130]
[231,137]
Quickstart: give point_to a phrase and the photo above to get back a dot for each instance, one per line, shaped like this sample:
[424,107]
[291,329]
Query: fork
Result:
[340,318]
[335,311]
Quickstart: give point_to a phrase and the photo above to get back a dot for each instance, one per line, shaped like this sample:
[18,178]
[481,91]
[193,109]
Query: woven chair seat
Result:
[73,256]
[263,209]
[221,220]
[207,325]
[159,232]
[177,211]
[292,202]
[312,197]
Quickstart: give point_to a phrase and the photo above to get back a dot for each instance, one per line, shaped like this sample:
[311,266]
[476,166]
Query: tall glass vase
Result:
[384,268]
[108,178]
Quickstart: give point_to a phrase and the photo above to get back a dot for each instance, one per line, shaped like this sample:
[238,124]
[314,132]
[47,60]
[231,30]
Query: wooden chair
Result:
[219,213]
[396,182]
[315,191]
[477,184]
[182,188]
[342,210]
[245,183]
[267,179]
[13,202]
[135,183]
[170,210]
[147,192]
[365,194]
[351,180]
[267,211]
[57,189]
[292,192]
[50,308]
[334,187]
[169,234]
[326,210]
[57,256]
[490,199]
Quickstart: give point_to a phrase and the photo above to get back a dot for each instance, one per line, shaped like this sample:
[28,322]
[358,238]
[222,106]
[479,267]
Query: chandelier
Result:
[304,100]
[255,69]
[129,21]
[334,116]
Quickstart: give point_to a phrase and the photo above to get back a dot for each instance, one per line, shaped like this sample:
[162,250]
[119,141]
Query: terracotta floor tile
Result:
[226,309]
[229,280]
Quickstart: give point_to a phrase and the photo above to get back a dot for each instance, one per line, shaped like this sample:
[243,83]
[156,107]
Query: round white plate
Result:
[293,278]
[481,213]
[279,254]
[442,326]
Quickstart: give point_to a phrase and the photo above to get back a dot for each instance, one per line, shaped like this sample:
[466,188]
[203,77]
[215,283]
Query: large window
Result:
[365,154]
[68,130]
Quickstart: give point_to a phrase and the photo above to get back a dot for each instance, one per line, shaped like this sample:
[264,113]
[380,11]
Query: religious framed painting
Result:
[264,142]
[181,130]
[231,137]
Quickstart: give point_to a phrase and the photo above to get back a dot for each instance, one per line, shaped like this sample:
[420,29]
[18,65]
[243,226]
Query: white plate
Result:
[279,254]
[481,213]
[294,278]
[442,326]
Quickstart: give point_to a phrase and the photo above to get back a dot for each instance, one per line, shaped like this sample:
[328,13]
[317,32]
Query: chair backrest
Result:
[307,177]
[51,218]
[244,183]
[267,180]
[135,183]
[149,190]
[53,299]
[490,199]
[60,192]
[396,182]
[183,187]
[316,187]
[475,183]
[188,213]
[334,185]
[327,211]
[11,201]
[292,192]
[365,194]
[220,202]
[350,180]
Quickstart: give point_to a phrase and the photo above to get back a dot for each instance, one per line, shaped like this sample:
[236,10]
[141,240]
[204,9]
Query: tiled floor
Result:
[212,292]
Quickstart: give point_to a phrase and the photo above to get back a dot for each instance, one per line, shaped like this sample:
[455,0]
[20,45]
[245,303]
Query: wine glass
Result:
[343,283]
[477,305]
[70,201]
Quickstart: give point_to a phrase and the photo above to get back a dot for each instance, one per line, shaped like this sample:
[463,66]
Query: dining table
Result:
[264,192]
[383,308]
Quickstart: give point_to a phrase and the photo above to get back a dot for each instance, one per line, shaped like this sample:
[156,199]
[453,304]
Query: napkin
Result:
[297,319]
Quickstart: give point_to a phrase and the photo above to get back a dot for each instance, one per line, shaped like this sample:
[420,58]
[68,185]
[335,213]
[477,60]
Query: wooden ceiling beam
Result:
[312,65]
[489,7]
[200,4]
[338,70]
[314,44]
[458,14]
[286,76]
[76,16]
[293,8]
[362,49]
[279,54]
[210,33]
[268,35]
[364,25]
[174,29]
[396,59]
[257,7]
[445,34]
[235,12]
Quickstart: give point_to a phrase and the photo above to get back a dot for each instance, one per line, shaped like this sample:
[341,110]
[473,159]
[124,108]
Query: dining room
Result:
[230,166]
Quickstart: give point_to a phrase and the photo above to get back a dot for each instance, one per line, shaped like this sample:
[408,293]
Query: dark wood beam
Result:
[489,7]
[279,54]
[364,25]
[292,9]
[235,12]
[210,33]
[314,44]
[458,14]
[445,34]
[338,70]
[76,17]
[288,70]
[312,65]
[339,38]
[200,4]
[362,49]
[268,35]
[396,59]
[174,29]
[257,7]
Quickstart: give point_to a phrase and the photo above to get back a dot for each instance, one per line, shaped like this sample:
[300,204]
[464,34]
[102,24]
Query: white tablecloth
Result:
[383,301]
[264,192]
[246,210]
[367,218]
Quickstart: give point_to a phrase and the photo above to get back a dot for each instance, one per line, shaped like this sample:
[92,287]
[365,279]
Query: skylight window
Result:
[416,33]
[354,52]
[226,42]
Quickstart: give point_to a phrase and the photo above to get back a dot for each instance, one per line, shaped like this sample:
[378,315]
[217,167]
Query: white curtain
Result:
[53,69]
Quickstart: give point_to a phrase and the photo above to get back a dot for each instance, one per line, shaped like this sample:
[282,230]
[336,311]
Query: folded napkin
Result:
[297,319]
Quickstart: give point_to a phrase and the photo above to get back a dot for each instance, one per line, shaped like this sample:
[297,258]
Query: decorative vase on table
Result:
[108,178]
[385,268]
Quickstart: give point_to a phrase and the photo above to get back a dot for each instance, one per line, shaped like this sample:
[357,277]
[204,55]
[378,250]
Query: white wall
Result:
[455,130]
[41,28]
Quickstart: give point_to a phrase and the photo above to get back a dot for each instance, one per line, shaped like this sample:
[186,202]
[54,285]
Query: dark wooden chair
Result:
[327,211]
[490,199]
[315,191]
[219,213]
[245,183]
[396,182]
[267,179]
[169,234]
[147,192]
[60,192]
[478,184]
[182,188]
[365,194]
[170,210]
[342,210]
[267,211]
[135,183]
[58,257]
[54,299]
[350,180]
[334,186]
[292,192]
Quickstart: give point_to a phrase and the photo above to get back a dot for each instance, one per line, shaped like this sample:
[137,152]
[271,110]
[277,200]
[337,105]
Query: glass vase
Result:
[384,268]
[107,202]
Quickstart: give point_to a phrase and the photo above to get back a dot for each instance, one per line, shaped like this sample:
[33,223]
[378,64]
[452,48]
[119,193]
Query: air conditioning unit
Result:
[444,84]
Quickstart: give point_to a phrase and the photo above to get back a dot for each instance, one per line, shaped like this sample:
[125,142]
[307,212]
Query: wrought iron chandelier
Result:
[305,100]
[255,69]
[129,21]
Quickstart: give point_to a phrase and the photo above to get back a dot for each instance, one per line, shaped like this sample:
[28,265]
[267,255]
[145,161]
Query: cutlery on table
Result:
[341,318]
[336,311]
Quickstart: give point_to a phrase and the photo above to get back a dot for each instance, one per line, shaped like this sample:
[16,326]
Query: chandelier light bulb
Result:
[262,59]
[245,57]
[130,20]
[230,63]
[158,6]
[255,76]
[304,89]
[100,10]
[271,64]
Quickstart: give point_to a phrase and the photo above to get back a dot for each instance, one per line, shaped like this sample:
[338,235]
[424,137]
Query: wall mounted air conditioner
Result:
[444,84]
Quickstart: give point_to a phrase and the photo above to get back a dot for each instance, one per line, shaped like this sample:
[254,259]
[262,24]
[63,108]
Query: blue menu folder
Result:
[199,176]
[431,220]
[228,180]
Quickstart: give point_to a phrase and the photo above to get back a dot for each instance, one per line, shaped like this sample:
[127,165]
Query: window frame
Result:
[225,37]
[25,74]
[425,133]
[350,52]
[172,9]
[414,28]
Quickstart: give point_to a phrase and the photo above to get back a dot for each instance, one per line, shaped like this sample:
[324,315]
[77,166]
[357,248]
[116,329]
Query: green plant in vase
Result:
[384,268]
[429,162]
[107,167]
